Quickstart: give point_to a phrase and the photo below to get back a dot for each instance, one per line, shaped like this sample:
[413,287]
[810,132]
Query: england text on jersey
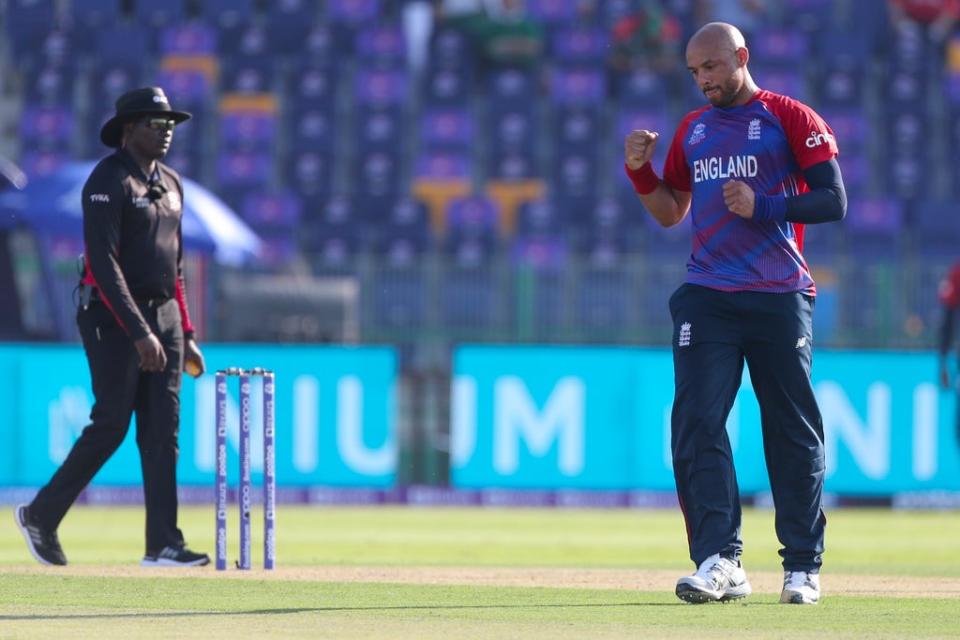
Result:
[724,167]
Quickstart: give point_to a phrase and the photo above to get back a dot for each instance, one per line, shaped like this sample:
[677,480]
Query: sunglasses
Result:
[160,124]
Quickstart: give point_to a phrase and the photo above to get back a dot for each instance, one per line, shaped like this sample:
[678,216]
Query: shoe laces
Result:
[718,570]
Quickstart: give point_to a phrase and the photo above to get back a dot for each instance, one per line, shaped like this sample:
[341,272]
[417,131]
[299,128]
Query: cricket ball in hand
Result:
[191,368]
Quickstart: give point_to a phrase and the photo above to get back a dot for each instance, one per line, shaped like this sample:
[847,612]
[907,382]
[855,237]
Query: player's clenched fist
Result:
[739,198]
[638,147]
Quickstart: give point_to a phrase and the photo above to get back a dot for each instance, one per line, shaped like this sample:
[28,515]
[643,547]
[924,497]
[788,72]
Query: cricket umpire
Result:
[135,328]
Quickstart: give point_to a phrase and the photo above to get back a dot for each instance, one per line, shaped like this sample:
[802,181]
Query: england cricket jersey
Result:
[766,143]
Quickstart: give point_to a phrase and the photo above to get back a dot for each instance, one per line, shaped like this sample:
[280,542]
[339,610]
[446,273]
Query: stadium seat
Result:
[580,45]
[191,38]
[272,210]
[446,88]
[447,129]
[381,46]
[578,86]
[312,130]
[380,87]
[288,24]
[159,14]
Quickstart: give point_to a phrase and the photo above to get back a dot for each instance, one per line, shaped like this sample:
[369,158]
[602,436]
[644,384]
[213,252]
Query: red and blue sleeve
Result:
[676,169]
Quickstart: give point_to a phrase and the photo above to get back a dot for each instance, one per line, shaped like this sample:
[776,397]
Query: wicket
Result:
[244,495]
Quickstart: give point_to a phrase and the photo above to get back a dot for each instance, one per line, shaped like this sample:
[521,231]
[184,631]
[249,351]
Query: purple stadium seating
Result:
[51,124]
[288,24]
[577,130]
[380,87]
[512,132]
[378,171]
[552,12]
[37,163]
[442,165]
[472,216]
[446,87]
[881,216]
[313,86]
[248,129]
[578,86]
[538,218]
[447,129]
[159,13]
[511,87]
[451,50]
[49,86]
[191,38]
[849,127]
[246,169]
[185,87]
[353,12]
[842,87]
[382,46]
[272,210]
[312,129]
[541,253]
[779,47]
[642,88]
[580,45]
[512,165]
[786,81]
[308,173]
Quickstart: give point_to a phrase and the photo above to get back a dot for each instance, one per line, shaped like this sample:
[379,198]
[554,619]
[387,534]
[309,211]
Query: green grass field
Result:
[397,572]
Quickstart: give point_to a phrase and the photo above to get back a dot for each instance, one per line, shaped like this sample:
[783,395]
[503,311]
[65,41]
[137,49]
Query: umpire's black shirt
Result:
[131,231]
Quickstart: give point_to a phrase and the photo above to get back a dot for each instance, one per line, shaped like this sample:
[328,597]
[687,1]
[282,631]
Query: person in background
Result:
[135,328]
[752,167]
[950,301]
[501,30]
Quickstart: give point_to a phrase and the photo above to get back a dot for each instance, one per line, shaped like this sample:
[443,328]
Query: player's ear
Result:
[743,56]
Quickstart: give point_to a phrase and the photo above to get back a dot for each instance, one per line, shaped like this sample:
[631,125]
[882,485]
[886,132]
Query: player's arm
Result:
[666,204]
[193,362]
[825,202]
[103,199]
[827,199]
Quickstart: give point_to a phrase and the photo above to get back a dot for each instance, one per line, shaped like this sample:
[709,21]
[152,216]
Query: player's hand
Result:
[739,198]
[152,356]
[638,147]
[193,362]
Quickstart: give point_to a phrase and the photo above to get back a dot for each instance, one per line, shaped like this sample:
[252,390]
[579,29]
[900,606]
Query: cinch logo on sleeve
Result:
[816,139]
[717,167]
[99,197]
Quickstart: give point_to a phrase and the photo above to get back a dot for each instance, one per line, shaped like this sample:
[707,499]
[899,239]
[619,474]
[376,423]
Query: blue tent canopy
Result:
[51,205]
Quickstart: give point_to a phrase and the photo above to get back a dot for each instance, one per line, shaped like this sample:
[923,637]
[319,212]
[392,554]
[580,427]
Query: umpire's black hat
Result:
[136,104]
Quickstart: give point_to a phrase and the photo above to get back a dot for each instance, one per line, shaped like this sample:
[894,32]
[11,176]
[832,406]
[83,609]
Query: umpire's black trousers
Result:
[714,333]
[120,389]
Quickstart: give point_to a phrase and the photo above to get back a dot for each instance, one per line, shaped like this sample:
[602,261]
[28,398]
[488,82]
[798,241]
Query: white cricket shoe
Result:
[800,587]
[717,580]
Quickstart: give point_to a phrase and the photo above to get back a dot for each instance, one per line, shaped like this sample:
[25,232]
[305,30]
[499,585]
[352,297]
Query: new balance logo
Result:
[802,342]
[683,340]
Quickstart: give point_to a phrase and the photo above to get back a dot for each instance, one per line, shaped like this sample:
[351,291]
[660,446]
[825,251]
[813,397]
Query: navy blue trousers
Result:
[714,333]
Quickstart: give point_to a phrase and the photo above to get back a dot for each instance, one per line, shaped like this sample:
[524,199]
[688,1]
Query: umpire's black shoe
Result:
[174,557]
[44,545]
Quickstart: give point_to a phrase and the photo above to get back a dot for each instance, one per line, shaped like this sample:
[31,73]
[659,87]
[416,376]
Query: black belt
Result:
[150,303]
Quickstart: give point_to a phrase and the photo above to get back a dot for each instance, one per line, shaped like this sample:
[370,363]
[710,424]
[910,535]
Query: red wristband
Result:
[644,179]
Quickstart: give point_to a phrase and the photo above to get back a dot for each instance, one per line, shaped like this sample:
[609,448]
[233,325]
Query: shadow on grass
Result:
[295,610]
